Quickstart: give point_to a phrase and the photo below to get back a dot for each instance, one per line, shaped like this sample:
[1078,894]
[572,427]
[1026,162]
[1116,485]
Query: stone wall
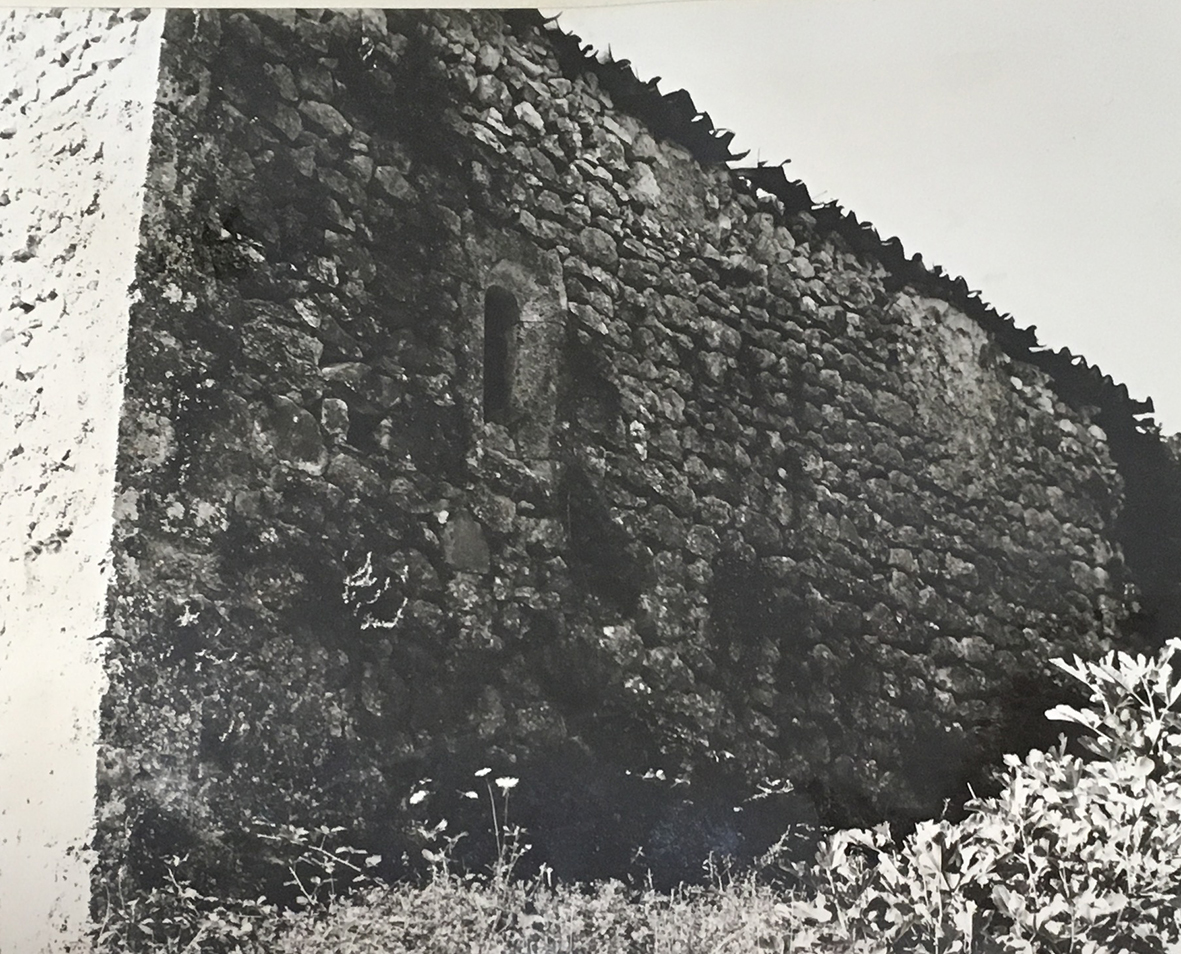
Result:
[469,422]
[75,118]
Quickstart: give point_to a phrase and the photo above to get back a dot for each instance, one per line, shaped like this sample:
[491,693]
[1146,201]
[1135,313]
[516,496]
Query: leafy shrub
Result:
[1075,855]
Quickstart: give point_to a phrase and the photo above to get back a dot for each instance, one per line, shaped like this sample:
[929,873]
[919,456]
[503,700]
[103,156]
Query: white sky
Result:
[1034,148]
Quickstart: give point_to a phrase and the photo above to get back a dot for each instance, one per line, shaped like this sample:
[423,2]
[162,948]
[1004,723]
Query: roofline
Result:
[673,116]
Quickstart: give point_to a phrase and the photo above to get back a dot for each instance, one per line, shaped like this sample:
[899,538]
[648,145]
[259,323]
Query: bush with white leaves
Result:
[1075,855]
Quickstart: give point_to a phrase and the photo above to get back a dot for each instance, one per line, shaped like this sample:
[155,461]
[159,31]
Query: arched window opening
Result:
[501,315]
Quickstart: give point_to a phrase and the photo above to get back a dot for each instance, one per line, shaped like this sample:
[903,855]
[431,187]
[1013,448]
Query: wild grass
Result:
[1075,856]
[451,914]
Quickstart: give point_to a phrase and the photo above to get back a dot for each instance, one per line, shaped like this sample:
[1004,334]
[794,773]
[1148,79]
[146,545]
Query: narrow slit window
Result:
[501,316]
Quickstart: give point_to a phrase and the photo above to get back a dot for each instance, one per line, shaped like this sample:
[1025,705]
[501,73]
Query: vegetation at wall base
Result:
[1078,854]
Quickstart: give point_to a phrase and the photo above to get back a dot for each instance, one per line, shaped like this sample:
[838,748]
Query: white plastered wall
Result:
[77,90]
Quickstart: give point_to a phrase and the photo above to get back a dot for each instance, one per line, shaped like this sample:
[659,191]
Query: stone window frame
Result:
[534,278]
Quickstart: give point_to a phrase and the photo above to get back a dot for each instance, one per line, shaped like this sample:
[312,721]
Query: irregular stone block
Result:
[599,247]
[395,184]
[326,117]
[315,82]
[354,478]
[280,74]
[369,391]
[528,115]
[334,419]
[464,546]
[295,437]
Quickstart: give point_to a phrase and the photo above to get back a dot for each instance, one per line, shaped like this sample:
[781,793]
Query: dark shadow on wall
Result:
[589,818]
[1149,530]
[601,556]
[754,616]
[604,560]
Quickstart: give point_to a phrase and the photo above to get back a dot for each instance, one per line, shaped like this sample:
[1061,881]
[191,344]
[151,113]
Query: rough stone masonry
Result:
[477,413]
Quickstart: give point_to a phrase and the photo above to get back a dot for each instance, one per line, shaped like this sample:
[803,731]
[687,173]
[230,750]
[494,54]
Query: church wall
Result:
[469,422]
